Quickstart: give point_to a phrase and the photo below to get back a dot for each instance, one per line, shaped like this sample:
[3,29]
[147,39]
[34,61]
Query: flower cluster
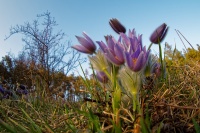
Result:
[123,65]
[21,89]
[128,50]
[8,93]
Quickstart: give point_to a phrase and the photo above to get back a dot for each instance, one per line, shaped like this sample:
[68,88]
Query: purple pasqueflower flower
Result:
[159,34]
[156,69]
[131,41]
[8,92]
[113,51]
[137,60]
[2,90]
[135,54]
[117,26]
[87,45]
[101,76]
[6,96]
[21,92]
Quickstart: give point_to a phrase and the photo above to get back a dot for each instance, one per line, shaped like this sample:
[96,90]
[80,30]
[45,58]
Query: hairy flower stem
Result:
[138,111]
[161,61]
[135,103]
[116,99]
[116,96]
[150,46]
[116,108]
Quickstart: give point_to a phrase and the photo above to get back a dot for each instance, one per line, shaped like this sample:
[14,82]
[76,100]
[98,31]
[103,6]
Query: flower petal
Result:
[88,38]
[134,44]
[102,45]
[86,44]
[82,49]
[125,39]
[140,40]
[139,62]
[119,53]
[164,34]
[136,53]
[117,26]
[129,60]
[112,59]
[2,90]
[159,34]
[110,43]
[101,76]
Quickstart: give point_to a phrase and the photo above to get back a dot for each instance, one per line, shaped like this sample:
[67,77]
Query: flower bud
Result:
[159,34]
[117,26]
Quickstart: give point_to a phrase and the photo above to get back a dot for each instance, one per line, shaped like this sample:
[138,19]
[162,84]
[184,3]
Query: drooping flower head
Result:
[117,26]
[159,34]
[87,45]
[113,51]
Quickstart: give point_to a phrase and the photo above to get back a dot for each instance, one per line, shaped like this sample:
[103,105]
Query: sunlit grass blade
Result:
[19,126]
[159,127]
[85,77]
[196,126]
[7,126]
[94,121]
[72,127]
[174,51]
[48,127]
[35,128]
[147,119]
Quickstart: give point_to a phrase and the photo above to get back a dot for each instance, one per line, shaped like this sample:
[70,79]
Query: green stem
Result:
[135,103]
[116,97]
[137,109]
[161,60]
[116,108]
[150,46]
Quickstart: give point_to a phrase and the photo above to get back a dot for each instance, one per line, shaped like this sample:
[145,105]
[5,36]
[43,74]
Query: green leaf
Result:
[196,126]
[7,126]
[21,128]
[35,128]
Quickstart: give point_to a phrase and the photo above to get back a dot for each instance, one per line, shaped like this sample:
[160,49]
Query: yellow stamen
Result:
[134,60]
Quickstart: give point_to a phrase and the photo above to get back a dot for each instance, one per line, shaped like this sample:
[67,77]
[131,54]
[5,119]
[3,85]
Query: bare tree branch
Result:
[45,47]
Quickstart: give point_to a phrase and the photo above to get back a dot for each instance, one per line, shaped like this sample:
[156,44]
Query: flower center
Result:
[134,60]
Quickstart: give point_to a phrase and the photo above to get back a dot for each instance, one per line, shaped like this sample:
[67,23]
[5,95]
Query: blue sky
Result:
[92,16]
